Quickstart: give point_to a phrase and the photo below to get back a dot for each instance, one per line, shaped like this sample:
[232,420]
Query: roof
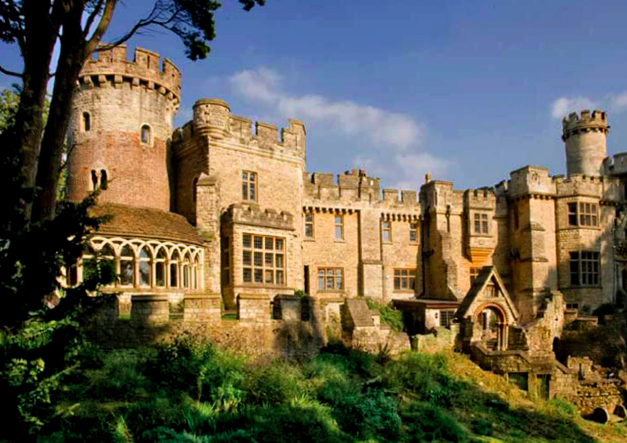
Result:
[132,221]
[484,277]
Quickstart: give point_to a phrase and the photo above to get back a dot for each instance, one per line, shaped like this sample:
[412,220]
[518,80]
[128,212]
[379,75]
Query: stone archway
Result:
[493,325]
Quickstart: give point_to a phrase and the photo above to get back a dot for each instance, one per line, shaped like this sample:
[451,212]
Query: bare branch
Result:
[92,17]
[102,27]
[7,72]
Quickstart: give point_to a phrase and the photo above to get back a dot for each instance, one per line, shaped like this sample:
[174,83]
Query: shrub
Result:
[605,309]
[389,315]
[278,382]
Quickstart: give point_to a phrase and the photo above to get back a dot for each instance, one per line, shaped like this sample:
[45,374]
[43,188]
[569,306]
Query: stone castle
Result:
[216,209]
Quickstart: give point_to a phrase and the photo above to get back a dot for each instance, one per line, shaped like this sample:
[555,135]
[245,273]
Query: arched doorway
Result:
[493,332]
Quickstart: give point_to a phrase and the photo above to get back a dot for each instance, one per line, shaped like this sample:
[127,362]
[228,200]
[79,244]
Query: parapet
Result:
[595,121]
[252,215]
[530,180]
[213,118]
[616,166]
[483,198]
[146,68]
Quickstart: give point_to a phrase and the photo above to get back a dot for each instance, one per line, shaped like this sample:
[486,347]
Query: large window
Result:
[582,214]
[481,223]
[263,259]
[405,279]
[330,279]
[339,227]
[309,225]
[386,231]
[249,186]
[584,268]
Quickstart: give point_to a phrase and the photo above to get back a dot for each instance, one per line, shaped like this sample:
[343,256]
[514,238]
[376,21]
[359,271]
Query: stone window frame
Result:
[250,185]
[145,134]
[405,279]
[338,227]
[332,278]
[310,230]
[386,232]
[177,254]
[255,254]
[99,180]
[582,214]
[480,222]
[586,268]
[413,232]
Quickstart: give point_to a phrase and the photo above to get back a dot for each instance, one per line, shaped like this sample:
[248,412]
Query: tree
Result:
[77,27]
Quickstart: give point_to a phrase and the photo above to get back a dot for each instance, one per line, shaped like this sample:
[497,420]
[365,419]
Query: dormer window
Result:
[86,122]
[146,134]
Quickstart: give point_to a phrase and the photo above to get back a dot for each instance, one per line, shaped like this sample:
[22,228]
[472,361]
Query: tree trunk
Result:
[38,44]
[71,59]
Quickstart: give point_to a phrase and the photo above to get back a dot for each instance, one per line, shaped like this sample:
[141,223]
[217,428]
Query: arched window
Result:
[107,259]
[145,134]
[196,273]
[174,269]
[160,268]
[90,268]
[145,267]
[94,179]
[104,180]
[127,272]
[86,122]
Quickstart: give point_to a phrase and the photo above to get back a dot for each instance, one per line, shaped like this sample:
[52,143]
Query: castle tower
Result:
[585,137]
[121,126]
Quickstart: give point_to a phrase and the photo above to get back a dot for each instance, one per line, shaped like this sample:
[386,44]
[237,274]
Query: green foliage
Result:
[275,383]
[425,422]
[389,315]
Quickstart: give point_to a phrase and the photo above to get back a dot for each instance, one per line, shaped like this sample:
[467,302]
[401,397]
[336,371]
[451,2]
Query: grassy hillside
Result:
[190,392]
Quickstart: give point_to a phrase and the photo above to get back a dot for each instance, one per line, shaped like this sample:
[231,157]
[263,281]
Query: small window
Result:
[249,186]
[145,134]
[309,225]
[127,269]
[413,232]
[405,279]
[339,227]
[446,318]
[160,268]
[94,180]
[86,122]
[145,266]
[386,231]
[330,279]
[104,180]
[481,223]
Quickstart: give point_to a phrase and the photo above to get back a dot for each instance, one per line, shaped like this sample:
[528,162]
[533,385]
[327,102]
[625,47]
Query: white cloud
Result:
[618,101]
[563,106]
[396,130]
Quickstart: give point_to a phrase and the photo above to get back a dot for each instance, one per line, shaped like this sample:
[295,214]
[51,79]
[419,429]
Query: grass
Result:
[190,392]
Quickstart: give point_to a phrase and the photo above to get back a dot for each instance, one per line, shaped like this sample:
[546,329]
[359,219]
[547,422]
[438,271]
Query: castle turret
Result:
[585,138]
[121,127]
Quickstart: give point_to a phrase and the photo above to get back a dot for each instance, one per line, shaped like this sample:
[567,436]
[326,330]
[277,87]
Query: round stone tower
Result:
[585,137]
[120,130]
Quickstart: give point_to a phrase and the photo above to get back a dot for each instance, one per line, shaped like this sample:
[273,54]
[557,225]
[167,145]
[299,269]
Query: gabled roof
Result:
[486,274]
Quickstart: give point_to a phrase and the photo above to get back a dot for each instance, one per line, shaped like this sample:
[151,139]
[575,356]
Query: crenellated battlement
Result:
[586,121]
[111,67]
[213,118]
[483,198]
[356,186]
[604,188]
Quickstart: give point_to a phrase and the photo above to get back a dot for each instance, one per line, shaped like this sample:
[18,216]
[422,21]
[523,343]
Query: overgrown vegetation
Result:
[389,315]
[188,391]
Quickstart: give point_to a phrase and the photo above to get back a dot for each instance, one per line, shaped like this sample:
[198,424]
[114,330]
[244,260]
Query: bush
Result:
[605,309]
[389,315]
[278,382]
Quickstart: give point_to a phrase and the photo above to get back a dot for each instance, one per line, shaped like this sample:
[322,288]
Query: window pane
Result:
[321,279]
[279,260]
[397,283]
[173,275]
[258,259]
[253,192]
[248,275]
[309,231]
[144,273]
[126,272]
[329,282]
[247,258]
[269,259]
[338,233]
[245,191]
[278,242]
[258,242]
[269,243]
[258,276]
[269,277]
[247,241]
[160,273]
[279,278]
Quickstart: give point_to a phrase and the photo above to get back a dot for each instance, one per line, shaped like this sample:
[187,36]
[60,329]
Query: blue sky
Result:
[467,90]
